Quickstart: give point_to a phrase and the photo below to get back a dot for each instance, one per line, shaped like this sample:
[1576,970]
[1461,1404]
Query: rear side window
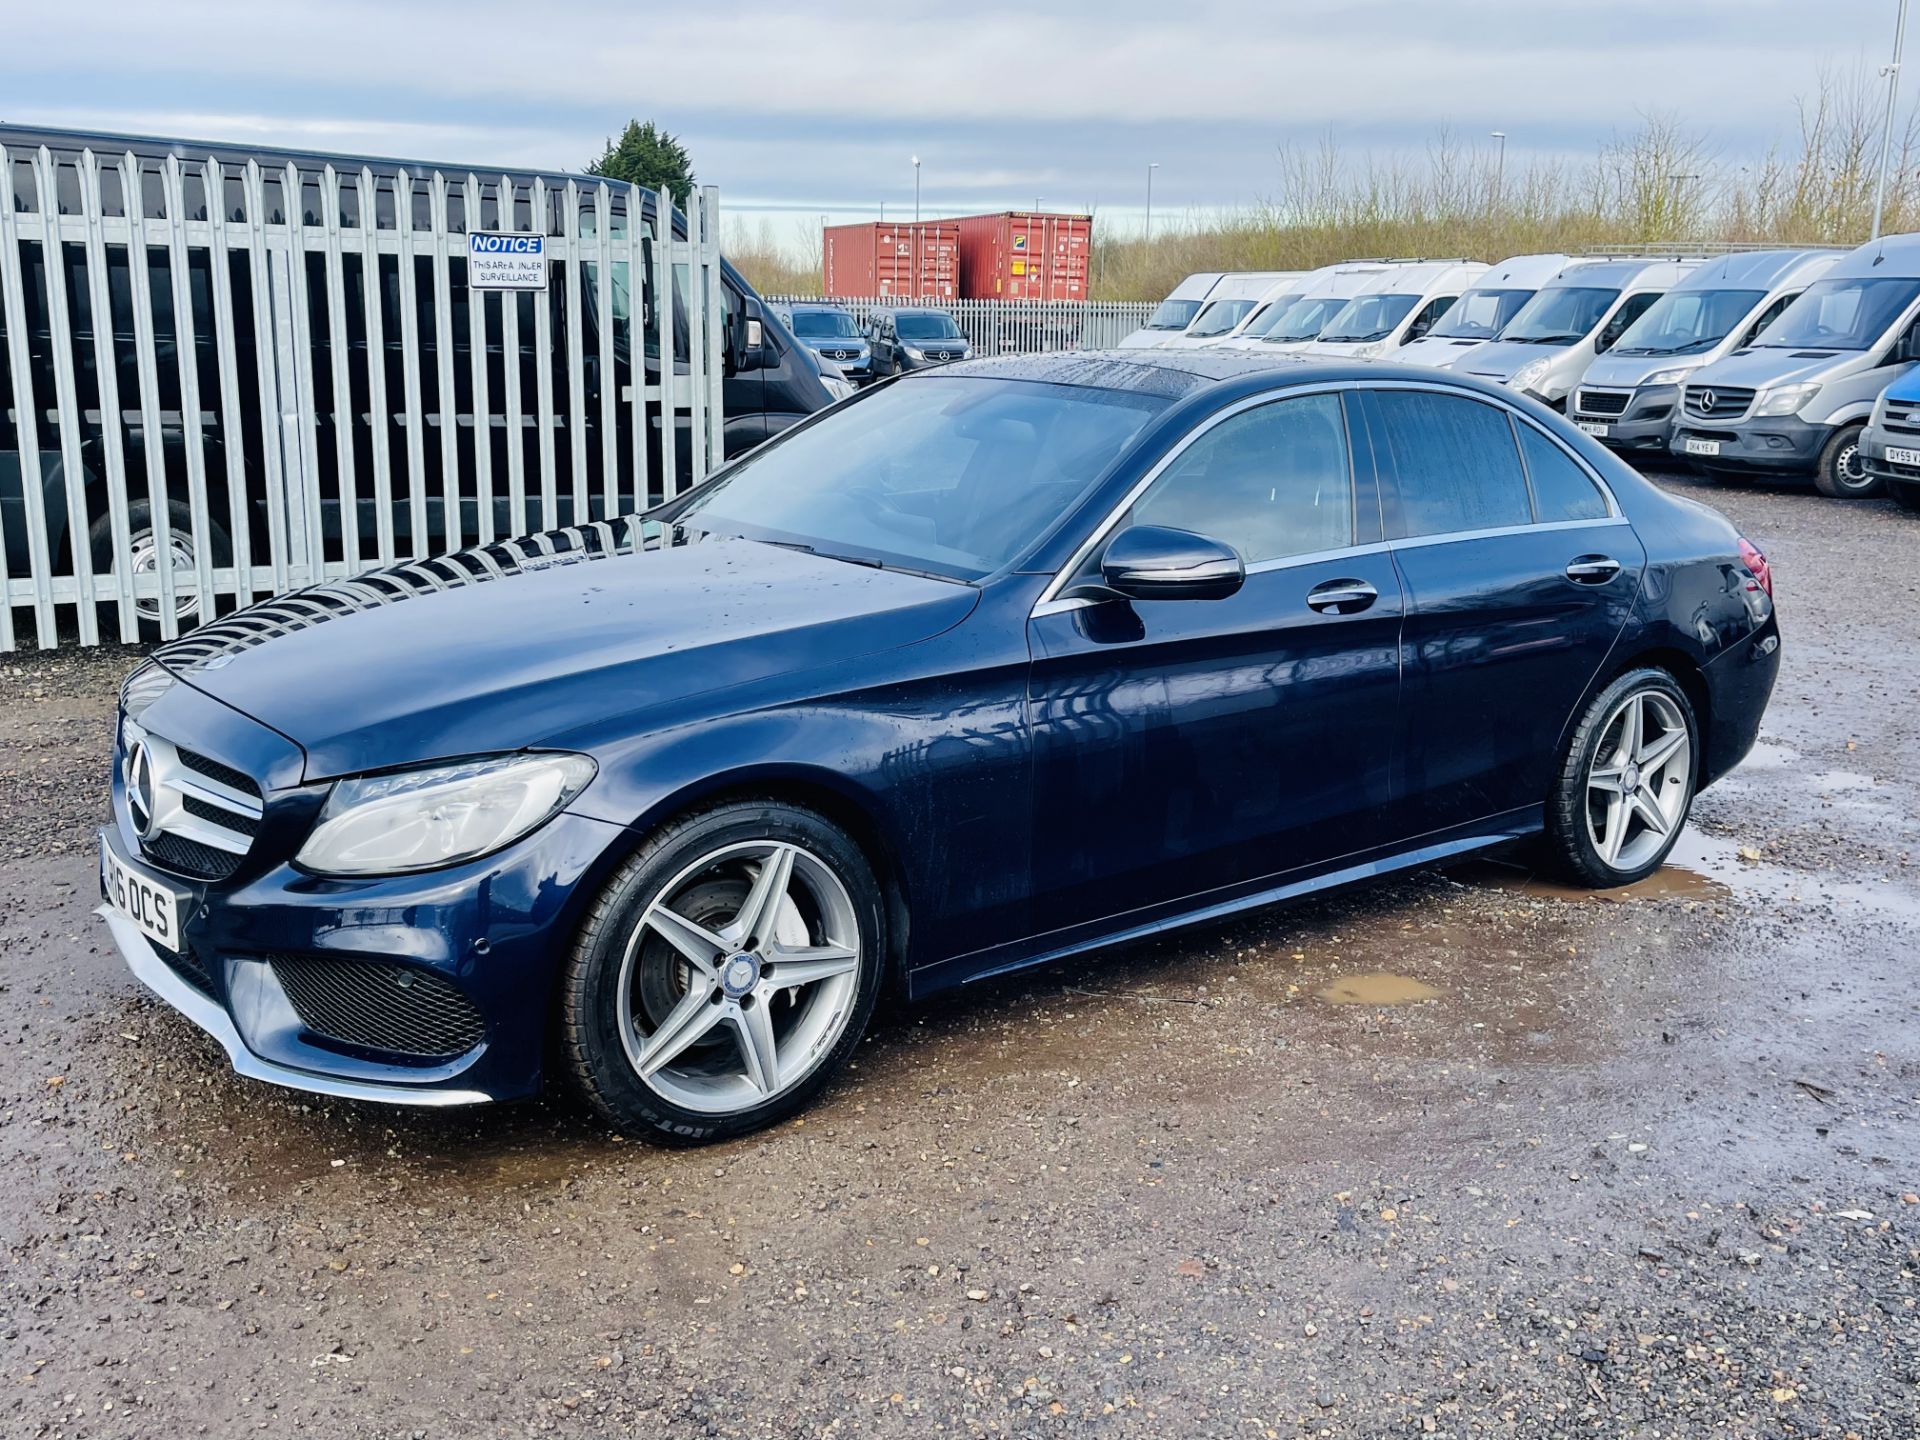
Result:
[1454,464]
[1561,489]
[1273,482]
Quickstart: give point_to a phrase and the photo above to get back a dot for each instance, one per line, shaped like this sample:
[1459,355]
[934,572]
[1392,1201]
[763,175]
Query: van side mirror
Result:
[746,340]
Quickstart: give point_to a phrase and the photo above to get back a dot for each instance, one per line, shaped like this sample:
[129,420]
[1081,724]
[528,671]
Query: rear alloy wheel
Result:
[1626,783]
[1840,473]
[728,970]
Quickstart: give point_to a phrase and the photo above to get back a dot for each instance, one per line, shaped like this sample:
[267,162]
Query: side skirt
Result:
[1214,905]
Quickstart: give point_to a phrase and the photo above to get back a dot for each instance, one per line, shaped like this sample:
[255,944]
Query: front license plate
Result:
[1897,456]
[1592,427]
[1702,447]
[153,907]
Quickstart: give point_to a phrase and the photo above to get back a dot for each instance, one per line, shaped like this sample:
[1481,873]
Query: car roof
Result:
[1176,374]
[815,305]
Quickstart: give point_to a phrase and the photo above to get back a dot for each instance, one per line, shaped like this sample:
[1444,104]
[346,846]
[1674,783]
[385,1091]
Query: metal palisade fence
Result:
[1014,327]
[229,374]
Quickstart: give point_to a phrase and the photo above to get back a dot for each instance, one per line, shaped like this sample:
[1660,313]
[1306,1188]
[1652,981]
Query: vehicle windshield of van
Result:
[1172,315]
[1559,315]
[824,325]
[1841,314]
[1479,314]
[1219,317]
[1685,322]
[1369,317]
[925,325]
[951,475]
[1302,320]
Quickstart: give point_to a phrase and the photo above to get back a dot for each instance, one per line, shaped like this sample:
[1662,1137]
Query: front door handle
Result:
[1592,569]
[1341,597]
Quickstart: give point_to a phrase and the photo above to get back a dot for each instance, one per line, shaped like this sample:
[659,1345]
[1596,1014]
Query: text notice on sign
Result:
[507,262]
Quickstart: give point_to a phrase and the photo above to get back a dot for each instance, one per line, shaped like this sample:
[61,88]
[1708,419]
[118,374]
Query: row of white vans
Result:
[1763,360]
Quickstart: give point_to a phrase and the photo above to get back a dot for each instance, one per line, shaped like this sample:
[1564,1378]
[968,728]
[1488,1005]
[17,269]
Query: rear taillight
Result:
[1756,562]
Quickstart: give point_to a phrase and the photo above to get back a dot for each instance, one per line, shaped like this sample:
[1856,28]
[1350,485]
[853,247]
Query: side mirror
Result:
[746,340]
[1152,562]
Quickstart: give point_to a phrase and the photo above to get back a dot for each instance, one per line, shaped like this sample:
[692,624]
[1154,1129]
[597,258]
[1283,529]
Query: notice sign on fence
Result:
[507,262]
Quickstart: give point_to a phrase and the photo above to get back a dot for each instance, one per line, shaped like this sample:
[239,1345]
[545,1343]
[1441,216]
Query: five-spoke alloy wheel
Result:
[729,967]
[1627,781]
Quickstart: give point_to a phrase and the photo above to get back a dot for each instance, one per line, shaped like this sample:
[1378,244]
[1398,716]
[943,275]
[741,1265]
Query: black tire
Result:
[590,1042]
[139,524]
[1570,844]
[1839,474]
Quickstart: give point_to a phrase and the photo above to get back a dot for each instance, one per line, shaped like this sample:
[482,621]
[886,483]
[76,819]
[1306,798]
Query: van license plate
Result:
[1897,456]
[1592,427]
[154,908]
[1701,447]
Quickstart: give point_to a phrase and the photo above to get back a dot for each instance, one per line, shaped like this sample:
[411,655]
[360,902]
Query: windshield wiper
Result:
[806,549]
[1550,339]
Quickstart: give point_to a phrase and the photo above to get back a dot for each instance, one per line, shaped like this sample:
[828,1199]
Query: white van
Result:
[1229,302]
[1325,294]
[1399,305]
[1582,312]
[1628,396]
[1480,314]
[1205,330]
[1175,311]
[1798,398]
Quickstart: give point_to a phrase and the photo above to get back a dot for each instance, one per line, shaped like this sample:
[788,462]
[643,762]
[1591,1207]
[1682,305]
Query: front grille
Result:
[1717,402]
[187,966]
[1904,418]
[200,815]
[1603,402]
[379,1005]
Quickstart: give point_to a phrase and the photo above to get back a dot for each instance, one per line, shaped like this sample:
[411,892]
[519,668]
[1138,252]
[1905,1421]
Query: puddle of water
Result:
[1676,880]
[1377,989]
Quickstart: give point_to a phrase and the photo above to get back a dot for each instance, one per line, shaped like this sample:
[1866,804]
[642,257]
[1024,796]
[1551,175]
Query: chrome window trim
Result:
[1050,602]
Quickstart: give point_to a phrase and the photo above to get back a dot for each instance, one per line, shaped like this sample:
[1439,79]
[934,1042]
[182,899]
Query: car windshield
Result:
[1684,322]
[1479,314]
[1560,315]
[948,475]
[1173,314]
[1268,311]
[1219,317]
[1369,317]
[824,325]
[1841,314]
[1303,320]
[925,325]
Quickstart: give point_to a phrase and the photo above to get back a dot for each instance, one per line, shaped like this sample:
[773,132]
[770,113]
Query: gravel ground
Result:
[1460,1154]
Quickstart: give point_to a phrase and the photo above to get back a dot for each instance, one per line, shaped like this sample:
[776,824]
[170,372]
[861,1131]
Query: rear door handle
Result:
[1592,569]
[1341,597]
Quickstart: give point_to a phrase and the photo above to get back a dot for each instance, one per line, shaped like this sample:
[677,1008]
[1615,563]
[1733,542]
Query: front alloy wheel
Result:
[1626,783]
[730,967]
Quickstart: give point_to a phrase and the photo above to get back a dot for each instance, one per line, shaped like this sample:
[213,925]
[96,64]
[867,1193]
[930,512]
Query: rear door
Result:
[1520,573]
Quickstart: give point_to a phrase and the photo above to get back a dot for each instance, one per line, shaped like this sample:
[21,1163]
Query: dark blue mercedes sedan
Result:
[988,666]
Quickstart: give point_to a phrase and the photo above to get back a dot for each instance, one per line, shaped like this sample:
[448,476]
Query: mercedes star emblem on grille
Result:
[139,779]
[1707,397]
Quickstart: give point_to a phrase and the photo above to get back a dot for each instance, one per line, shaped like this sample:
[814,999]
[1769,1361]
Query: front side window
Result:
[1274,481]
[1454,463]
[1841,314]
[949,475]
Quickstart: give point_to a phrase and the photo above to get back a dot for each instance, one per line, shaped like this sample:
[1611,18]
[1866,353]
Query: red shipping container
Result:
[1025,255]
[901,258]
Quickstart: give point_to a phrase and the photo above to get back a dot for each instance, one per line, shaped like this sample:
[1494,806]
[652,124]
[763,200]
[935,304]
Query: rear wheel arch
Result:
[1686,672]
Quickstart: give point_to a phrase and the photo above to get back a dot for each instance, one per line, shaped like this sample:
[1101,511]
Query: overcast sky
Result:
[796,110]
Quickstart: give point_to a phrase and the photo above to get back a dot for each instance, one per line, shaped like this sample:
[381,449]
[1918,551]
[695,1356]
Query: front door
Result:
[1188,746]
[1519,575]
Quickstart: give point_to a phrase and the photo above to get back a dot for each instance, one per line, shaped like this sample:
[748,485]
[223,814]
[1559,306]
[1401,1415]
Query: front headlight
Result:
[1669,377]
[913,354]
[1785,399]
[1528,374]
[838,388]
[424,819]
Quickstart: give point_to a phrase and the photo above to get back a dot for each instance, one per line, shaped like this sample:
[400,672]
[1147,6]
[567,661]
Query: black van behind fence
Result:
[228,373]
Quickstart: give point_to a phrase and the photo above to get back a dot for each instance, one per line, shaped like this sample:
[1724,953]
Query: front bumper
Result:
[486,938]
[1771,442]
[1875,443]
[1645,422]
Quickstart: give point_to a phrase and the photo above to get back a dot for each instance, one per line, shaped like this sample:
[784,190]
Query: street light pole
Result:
[1500,165]
[1892,72]
[1155,165]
